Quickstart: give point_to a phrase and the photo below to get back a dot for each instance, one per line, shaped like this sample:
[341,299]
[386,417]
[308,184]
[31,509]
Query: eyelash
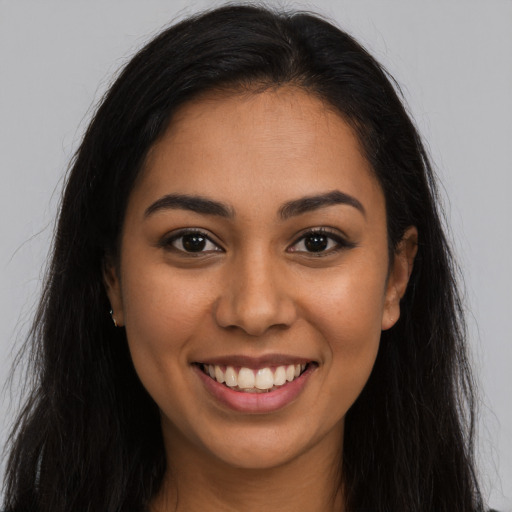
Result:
[331,236]
[168,242]
[340,242]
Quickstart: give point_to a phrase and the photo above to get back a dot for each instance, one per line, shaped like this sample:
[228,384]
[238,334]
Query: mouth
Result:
[255,380]
[255,385]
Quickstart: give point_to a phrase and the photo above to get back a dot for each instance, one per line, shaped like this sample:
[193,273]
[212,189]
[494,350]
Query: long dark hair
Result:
[89,437]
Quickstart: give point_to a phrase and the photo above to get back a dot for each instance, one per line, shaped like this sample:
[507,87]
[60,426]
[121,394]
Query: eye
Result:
[320,242]
[191,241]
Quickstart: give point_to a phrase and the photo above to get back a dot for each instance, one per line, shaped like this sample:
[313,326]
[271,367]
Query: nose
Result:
[256,297]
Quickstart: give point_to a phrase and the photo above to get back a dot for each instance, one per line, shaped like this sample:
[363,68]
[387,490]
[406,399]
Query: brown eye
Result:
[320,242]
[191,242]
[316,242]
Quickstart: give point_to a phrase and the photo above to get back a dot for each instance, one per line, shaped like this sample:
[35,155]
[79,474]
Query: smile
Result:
[255,386]
[249,380]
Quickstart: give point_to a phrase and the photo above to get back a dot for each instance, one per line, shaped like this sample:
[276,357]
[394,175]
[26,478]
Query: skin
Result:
[256,290]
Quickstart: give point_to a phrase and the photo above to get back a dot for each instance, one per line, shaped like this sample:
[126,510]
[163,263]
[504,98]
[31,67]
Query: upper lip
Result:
[255,362]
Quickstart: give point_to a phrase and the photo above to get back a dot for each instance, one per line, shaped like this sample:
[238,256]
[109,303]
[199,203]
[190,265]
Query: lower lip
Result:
[255,402]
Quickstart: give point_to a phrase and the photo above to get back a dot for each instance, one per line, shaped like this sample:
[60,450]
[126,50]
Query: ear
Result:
[113,289]
[399,275]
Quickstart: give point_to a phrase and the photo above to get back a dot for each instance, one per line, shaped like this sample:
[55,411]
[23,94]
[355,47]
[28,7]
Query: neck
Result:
[197,481]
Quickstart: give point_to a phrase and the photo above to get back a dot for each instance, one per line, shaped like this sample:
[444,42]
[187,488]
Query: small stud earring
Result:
[113,318]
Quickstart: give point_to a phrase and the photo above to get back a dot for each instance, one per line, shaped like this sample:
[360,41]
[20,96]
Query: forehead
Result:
[243,147]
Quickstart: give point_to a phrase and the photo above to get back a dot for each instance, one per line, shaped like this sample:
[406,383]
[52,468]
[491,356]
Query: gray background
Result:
[453,59]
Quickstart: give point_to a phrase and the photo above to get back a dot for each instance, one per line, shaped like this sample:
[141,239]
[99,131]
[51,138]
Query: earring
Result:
[113,318]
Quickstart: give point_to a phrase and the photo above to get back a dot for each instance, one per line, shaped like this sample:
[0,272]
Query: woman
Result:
[251,300]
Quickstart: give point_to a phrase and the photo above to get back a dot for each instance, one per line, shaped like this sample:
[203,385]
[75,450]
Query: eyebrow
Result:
[196,204]
[204,206]
[311,203]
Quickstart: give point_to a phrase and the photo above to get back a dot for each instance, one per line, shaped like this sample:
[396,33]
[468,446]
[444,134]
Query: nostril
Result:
[252,316]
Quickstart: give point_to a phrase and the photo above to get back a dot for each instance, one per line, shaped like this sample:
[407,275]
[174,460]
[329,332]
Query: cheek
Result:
[348,314]
[161,303]
[348,302]
[162,312]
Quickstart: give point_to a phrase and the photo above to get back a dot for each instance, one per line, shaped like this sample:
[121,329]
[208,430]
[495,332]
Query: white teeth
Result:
[280,376]
[246,378]
[219,375]
[231,377]
[264,378]
[253,380]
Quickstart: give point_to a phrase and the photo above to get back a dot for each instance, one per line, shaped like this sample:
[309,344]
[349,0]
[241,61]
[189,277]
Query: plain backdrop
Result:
[453,59]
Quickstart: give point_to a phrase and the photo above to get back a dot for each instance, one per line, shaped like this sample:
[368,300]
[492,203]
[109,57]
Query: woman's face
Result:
[254,248]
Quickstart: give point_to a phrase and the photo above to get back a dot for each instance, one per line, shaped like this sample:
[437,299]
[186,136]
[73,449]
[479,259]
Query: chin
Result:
[258,456]
[264,447]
